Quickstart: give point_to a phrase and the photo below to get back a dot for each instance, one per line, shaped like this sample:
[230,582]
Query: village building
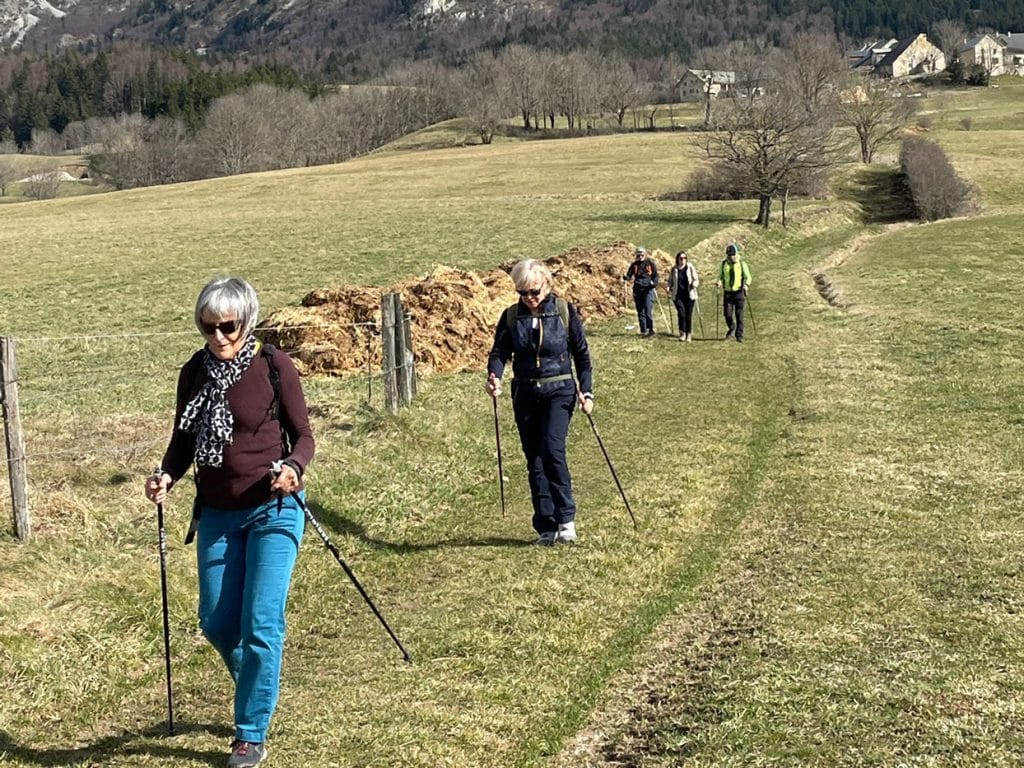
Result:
[985,51]
[911,57]
[696,83]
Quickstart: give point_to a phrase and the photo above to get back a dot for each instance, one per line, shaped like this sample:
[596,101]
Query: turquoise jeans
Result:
[246,558]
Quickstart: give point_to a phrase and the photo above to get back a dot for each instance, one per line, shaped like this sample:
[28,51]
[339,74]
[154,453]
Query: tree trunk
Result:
[785,201]
[865,151]
[764,210]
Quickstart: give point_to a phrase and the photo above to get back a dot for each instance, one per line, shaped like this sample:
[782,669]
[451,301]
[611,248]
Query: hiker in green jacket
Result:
[734,279]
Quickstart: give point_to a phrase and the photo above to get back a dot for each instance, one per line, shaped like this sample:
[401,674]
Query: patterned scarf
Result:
[207,415]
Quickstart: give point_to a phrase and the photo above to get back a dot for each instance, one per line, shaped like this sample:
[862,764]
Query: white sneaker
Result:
[546,539]
[566,533]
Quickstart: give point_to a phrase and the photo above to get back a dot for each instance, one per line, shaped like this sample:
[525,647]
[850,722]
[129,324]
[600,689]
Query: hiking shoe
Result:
[682,337]
[566,533]
[245,753]
[546,539]
[728,334]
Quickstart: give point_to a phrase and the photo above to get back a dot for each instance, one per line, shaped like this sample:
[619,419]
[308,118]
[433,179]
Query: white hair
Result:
[225,296]
[527,270]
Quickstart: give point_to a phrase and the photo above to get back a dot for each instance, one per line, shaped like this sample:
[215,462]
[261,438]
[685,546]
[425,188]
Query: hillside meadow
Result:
[826,568]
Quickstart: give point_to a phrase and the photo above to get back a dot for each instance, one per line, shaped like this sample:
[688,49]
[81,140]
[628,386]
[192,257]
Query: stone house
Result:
[696,82]
[865,58]
[984,50]
[1013,53]
[911,57]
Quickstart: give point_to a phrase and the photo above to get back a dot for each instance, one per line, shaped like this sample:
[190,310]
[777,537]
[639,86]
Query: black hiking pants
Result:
[684,312]
[732,306]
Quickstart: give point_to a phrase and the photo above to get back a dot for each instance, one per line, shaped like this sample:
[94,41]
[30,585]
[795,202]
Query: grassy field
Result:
[826,571]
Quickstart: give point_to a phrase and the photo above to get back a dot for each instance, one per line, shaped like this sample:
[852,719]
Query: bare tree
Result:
[877,111]
[771,143]
[483,96]
[426,89]
[949,35]
[43,184]
[46,141]
[574,88]
[236,136]
[755,63]
[705,68]
[619,87]
[816,66]
[522,85]
[548,67]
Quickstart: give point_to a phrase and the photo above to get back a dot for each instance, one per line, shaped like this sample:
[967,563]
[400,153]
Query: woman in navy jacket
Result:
[543,336]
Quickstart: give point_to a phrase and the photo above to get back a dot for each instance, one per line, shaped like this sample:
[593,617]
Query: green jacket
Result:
[734,277]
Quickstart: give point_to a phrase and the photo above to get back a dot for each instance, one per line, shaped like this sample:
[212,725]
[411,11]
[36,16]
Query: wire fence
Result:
[98,397]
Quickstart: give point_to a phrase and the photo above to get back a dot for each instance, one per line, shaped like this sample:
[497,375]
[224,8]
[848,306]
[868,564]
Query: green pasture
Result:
[826,567]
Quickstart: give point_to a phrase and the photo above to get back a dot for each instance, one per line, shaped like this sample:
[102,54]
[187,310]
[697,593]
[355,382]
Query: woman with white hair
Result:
[240,409]
[543,336]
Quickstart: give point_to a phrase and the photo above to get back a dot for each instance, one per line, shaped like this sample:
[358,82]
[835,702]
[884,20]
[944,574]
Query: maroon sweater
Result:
[243,480]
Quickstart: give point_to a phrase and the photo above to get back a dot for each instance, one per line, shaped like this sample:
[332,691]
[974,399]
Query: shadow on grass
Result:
[336,523]
[120,746]
[882,195]
[674,216]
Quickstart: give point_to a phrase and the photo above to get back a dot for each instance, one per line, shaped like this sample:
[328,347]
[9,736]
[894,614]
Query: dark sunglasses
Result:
[534,292]
[227,327]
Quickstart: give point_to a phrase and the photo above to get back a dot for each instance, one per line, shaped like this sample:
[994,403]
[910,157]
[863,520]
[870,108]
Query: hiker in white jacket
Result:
[682,289]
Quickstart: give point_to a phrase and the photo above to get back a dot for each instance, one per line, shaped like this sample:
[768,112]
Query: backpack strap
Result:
[561,306]
[267,351]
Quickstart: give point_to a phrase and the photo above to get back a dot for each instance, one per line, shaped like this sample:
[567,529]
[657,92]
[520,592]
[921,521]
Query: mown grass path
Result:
[869,611]
[827,566]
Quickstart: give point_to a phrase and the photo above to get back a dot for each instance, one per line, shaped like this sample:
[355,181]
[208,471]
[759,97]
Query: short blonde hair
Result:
[527,270]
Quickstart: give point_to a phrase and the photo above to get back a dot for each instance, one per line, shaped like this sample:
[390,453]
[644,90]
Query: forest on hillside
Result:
[358,40]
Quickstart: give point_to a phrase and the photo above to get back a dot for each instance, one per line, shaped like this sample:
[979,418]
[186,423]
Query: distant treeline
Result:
[40,92]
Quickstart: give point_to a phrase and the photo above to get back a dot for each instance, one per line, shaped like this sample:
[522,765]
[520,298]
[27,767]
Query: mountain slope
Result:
[373,33]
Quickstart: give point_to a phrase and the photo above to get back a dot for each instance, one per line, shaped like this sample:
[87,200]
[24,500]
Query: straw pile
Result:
[336,330]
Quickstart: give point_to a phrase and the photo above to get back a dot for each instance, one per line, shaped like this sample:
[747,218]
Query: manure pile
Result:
[453,312]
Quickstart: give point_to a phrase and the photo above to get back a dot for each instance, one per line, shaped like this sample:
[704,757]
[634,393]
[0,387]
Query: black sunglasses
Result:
[534,292]
[227,327]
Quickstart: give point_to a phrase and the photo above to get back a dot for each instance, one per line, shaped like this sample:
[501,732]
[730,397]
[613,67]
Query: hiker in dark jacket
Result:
[644,274]
[543,336]
[238,408]
[683,281]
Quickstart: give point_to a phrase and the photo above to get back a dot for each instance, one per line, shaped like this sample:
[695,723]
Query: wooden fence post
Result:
[17,468]
[410,356]
[403,355]
[387,335]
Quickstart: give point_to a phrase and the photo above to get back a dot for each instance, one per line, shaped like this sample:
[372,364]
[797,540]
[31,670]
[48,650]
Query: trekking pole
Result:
[348,571]
[607,458]
[497,439]
[664,316]
[700,320]
[157,473]
[753,322]
[717,312]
